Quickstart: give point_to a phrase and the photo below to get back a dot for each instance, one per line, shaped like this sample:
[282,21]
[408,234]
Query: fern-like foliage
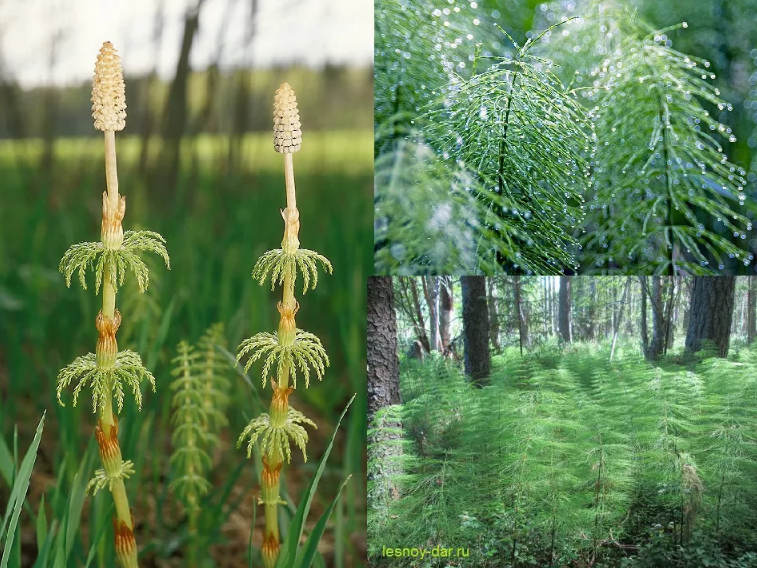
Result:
[189,438]
[199,401]
[278,265]
[83,256]
[276,439]
[567,455]
[305,353]
[666,198]
[128,372]
[214,370]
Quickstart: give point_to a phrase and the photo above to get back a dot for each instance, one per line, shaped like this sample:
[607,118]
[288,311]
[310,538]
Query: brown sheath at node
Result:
[287,322]
[109,447]
[291,228]
[124,538]
[112,228]
[271,546]
[280,399]
[270,477]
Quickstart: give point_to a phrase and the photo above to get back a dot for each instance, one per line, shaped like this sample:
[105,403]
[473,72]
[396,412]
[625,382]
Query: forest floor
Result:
[569,460]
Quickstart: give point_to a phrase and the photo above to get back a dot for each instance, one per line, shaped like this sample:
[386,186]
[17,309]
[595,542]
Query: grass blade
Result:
[41,525]
[310,549]
[288,551]
[18,493]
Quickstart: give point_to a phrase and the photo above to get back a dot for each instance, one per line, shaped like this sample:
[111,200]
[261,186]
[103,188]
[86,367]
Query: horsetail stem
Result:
[290,348]
[109,113]
[108,370]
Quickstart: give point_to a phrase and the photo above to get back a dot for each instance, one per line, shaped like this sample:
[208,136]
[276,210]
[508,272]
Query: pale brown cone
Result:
[287,132]
[108,93]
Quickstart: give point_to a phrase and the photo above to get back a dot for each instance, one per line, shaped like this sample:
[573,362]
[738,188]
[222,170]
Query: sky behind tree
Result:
[310,32]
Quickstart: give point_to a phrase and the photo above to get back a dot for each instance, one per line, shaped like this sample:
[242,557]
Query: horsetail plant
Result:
[290,349]
[108,371]
[199,401]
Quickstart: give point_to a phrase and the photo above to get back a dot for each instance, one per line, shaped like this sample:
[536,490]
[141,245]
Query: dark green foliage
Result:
[521,130]
[666,198]
[596,131]
[567,459]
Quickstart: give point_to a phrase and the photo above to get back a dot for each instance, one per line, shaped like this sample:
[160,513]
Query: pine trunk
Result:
[644,327]
[751,306]
[564,300]
[521,314]
[446,307]
[493,315]
[712,299]
[383,363]
[476,330]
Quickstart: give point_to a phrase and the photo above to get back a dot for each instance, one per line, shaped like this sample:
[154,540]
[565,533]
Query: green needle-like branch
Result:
[128,371]
[281,265]
[304,353]
[101,478]
[276,439]
[81,256]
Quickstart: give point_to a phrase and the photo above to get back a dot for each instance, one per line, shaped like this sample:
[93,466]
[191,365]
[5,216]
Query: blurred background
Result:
[196,164]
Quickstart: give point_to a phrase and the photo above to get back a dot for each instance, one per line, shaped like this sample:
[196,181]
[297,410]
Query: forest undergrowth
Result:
[567,459]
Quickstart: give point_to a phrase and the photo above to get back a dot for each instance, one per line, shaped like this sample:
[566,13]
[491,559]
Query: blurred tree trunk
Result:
[176,104]
[476,330]
[751,306]
[545,306]
[431,293]
[619,319]
[242,94]
[644,327]
[493,315]
[565,301]
[661,299]
[147,121]
[590,331]
[446,306]
[383,362]
[206,119]
[712,299]
[520,314]
[51,112]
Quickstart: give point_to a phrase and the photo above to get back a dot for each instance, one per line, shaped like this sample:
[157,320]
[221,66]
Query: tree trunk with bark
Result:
[662,306]
[493,315]
[446,308]
[644,327]
[431,293]
[520,313]
[383,388]
[383,362]
[476,330]
[564,301]
[751,306]
[712,299]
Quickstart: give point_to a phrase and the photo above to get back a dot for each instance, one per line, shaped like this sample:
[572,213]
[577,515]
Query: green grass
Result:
[216,222]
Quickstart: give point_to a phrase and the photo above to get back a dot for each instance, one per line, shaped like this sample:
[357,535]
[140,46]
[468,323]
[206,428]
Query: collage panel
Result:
[557,421]
[185,234]
[567,137]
